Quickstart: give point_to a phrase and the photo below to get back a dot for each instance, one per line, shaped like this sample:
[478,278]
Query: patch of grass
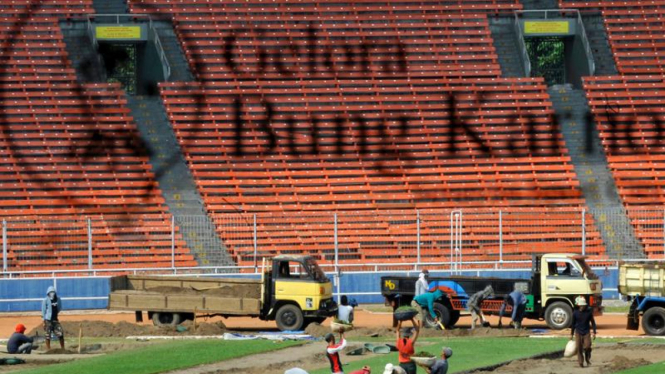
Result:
[616,309]
[163,357]
[465,352]
[648,369]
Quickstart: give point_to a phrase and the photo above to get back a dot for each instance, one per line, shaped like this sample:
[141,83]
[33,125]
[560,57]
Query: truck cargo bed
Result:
[642,280]
[227,296]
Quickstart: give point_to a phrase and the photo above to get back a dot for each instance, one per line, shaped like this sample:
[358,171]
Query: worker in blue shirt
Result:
[426,300]
[517,300]
[583,322]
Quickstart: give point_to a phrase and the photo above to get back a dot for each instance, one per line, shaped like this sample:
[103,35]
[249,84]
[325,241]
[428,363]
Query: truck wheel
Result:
[559,315]
[442,312]
[165,319]
[289,318]
[653,321]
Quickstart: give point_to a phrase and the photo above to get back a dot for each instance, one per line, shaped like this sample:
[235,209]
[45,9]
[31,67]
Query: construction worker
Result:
[19,343]
[474,305]
[406,346]
[581,326]
[345,311]
[517,300]
[51,307]
[421,284]
[440,366]
[426,301]
[332,351]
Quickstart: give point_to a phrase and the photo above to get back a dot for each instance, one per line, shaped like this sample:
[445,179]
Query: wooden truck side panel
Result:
[186,294]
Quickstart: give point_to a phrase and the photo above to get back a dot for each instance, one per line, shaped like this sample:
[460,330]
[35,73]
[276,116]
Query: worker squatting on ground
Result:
[332,351]
[345,311]
[517,300]
[474,303]
[406,346]
[51,307]
[581,326]
[421,284]
[440,366]
[426,301]
[19,343]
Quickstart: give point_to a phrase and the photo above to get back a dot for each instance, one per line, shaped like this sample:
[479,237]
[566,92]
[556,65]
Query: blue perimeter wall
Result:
[20,295]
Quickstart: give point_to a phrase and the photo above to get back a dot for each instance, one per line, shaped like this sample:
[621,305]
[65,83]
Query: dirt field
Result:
[605,359]
[608,325]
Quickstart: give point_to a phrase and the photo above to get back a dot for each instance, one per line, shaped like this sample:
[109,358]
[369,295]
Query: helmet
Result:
[580,301]
[20,328]
[447,351]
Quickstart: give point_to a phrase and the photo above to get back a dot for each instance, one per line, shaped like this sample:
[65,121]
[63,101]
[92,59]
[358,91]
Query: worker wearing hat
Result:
[19,343]
[581,326]
[392,369]
[333,349]
[440,366]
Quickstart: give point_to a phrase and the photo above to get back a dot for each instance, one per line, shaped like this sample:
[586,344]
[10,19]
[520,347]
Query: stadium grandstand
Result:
[188,133]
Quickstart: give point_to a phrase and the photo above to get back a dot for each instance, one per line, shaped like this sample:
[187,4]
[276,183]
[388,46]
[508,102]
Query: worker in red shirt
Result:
[406,345]
[332,351]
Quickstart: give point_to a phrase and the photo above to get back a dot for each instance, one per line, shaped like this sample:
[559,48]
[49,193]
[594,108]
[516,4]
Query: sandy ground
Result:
[605,359]
[608,325]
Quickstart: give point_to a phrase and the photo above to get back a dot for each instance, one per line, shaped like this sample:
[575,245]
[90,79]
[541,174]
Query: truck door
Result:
[294,282]
[562,277]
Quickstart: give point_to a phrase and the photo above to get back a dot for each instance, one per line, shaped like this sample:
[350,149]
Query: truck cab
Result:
[559,278]
[301,292]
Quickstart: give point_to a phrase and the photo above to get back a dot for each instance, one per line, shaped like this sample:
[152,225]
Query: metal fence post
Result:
[500,236]
[89,243]
[256,247]
[418,236]
[337,277]
[172,242]
[4,246]
[583,232]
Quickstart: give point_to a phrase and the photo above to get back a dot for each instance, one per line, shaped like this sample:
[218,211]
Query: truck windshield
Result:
[587,269]
[316,271]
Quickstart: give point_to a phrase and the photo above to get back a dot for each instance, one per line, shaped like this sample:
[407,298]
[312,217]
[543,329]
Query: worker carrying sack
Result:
[571,349]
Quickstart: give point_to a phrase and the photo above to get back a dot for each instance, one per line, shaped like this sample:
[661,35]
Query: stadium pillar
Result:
[4,245]
[89,244]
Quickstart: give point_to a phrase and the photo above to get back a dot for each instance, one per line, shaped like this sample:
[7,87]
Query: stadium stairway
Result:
[173,50]
[176,182]
[539,4]
[110,6]
[81,53]
[600,45]
[596,181]
[505,43]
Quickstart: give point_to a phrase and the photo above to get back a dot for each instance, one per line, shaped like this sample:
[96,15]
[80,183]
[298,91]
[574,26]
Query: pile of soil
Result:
[244,291]
[621,363]
[60,351]
[100,329]
[318,331]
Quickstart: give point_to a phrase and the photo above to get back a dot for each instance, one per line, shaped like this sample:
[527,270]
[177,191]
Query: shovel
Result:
[441,325]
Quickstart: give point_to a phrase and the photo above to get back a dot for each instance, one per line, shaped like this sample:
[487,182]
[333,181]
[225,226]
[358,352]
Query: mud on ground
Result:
[102,329]
[318,331]
[605,359]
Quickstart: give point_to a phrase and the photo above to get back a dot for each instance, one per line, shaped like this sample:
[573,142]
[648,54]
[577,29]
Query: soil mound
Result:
[621,363]
[101,329]
[316,330]
[59,351]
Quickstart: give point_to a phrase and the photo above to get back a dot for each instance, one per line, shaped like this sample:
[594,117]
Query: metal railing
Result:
[455,240]
[116,18]
[562,13]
